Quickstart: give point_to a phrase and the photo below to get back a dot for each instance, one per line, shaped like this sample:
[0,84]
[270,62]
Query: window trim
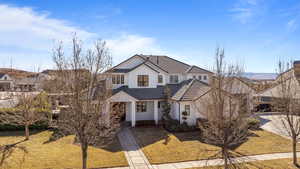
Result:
[144,81]
[118,79]
[141,107]
[172,79]
[188,111]
[160,79]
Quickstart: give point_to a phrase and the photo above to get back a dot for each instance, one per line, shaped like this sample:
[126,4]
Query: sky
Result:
[254,33]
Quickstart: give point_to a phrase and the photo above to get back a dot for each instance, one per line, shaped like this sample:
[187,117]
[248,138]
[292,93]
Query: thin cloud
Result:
[127,45]
[244,11]
[27,29]
[28,37]
[292,25]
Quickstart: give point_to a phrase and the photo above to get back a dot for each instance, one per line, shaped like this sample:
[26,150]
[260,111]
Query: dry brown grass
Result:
[161,146]
[58,154]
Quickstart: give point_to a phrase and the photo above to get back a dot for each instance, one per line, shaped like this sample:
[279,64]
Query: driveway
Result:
[274,123]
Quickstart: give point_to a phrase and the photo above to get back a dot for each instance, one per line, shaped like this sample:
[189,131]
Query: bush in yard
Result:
[253,123]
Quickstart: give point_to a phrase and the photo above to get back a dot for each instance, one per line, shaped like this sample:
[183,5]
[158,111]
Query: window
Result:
[143,80]
[204,77]
[173,78]
[200,77]
[160,79]
[118,79]
[187,109]
[141,106]
[194,77]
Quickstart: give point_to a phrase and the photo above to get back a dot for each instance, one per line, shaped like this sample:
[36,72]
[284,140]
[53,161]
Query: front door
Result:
[120,108]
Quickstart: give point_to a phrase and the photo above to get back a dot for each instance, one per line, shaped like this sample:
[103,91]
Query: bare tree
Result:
[31,110]
[285,99]
[225,112]
[88,115]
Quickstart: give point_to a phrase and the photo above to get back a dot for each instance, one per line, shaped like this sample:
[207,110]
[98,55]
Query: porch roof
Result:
[150,93]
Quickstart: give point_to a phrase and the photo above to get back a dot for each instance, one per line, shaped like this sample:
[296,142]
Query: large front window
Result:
[143,80]
[141,106]
[173,78]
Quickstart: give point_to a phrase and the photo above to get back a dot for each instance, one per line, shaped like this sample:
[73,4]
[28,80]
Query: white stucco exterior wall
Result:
[142,70]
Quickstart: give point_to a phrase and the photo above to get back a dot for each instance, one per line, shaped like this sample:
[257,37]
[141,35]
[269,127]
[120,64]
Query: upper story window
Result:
[200,77]
[187,109]
[141,106]
[143,80]
[204,77]
[173,78]
[160,79]
[118,79]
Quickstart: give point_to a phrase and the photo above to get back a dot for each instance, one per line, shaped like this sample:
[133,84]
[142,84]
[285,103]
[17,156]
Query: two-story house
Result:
[6,82]
[139,85]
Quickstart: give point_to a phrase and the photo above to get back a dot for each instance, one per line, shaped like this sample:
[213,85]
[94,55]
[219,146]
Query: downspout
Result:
[179,113]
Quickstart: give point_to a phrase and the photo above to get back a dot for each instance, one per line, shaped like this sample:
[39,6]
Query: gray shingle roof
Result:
[150,93]
[191,90]
[1,75]
[196,69]
[167,63]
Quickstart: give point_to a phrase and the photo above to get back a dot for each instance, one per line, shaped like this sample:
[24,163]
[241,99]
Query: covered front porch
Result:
[137,110]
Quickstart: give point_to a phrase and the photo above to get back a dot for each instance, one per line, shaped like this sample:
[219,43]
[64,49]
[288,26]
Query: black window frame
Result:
[141,107]
[142,80]
[160,79]
[174,80]
[118,79]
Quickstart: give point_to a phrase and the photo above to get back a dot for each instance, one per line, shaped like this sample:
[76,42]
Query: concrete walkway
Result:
[202,163]
[134,155]
[137,159]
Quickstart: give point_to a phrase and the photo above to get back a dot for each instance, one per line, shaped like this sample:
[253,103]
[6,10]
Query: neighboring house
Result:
[291,77]
[6,82]
[139,83]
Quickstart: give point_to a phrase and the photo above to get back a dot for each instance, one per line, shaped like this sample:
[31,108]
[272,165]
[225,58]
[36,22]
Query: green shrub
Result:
[41,125]
[253,123]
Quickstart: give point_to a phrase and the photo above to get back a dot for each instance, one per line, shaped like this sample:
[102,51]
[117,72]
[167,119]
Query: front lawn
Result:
[161,146]
[268,164]
[58,154]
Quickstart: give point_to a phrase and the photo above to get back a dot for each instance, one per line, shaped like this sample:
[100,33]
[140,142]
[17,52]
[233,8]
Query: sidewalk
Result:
[137,159]
[134,155]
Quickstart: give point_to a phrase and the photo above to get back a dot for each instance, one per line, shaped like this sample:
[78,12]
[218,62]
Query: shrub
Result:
[172,125]
[253,123]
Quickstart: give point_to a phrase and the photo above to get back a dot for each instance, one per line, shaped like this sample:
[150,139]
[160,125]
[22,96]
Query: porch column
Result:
[156,111]
[133,113]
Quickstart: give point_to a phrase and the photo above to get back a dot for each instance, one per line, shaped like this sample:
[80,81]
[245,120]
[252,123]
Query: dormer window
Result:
[160,79]
[143,80]
[173,78]
[117,79]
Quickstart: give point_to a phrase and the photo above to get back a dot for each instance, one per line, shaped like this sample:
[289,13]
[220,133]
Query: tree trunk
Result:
[295,151]
[26,132]
[225,157]
[84,148]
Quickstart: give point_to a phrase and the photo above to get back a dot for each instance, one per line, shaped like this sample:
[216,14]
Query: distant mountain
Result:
[16,73]
[259,76]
